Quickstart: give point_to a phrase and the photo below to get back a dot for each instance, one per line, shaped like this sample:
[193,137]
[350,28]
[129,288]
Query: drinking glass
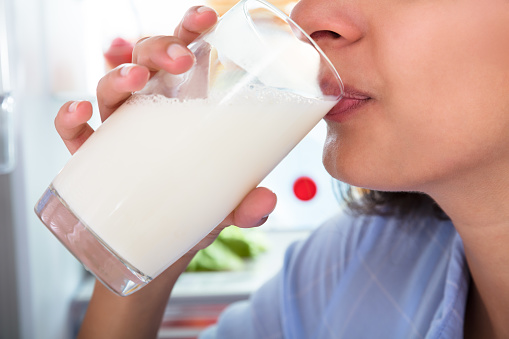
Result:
[176,158]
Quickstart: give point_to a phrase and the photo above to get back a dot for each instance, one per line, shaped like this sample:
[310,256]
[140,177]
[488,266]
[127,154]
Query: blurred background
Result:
[53,51]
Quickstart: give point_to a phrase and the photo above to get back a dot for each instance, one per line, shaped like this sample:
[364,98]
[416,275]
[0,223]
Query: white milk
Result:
[160,174]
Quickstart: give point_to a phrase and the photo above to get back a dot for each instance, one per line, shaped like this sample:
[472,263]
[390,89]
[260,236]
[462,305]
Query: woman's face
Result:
[427,88]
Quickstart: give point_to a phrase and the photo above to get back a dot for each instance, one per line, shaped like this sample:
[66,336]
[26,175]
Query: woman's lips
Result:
[352,100]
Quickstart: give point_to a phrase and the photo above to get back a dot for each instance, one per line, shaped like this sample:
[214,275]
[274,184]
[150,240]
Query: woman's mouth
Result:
[351,102]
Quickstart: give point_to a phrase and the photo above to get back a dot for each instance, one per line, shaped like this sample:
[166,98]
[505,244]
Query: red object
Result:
[119,52]
[304,188]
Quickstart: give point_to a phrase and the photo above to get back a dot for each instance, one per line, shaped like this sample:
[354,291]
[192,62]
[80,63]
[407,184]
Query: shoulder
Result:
[358,268]
[366,263]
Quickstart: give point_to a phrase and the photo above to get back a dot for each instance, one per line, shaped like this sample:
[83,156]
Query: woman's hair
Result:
[397,204]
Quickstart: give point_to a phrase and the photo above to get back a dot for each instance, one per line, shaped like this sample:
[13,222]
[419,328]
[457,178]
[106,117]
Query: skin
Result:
[436,75]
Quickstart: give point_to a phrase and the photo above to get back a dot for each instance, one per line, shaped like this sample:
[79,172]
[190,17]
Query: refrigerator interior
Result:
[55,49]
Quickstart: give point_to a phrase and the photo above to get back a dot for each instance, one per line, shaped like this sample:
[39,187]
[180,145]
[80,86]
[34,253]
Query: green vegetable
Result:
[229,251]
[246,243]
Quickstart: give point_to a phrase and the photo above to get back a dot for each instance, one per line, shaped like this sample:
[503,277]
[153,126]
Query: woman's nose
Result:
[328,22]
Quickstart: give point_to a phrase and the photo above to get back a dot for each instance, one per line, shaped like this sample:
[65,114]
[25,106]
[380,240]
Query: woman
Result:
[426,110]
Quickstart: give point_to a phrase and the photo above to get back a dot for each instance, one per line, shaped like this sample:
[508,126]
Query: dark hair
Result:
[398,204]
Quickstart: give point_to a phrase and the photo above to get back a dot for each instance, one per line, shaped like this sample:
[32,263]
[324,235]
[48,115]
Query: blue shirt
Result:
[360,277]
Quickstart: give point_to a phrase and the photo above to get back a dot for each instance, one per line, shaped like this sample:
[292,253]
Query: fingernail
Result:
[205,9]
[262,221]
[124,71]
[176,51]
[72,107]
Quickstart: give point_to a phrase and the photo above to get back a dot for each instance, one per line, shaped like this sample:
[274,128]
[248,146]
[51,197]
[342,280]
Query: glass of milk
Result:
[173,161]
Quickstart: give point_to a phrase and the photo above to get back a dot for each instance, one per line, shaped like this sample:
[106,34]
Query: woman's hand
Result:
[139,315]
[149,55]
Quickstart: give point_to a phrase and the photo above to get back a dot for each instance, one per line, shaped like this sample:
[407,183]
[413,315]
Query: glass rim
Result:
[276,11]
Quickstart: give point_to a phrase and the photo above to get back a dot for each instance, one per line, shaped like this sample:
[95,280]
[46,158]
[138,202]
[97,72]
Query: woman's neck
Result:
[480,214]
[488,299]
